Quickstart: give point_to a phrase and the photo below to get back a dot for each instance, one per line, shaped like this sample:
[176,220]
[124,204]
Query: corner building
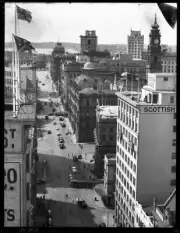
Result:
[146,146]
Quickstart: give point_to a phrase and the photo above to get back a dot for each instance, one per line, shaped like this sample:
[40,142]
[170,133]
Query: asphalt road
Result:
[64,211]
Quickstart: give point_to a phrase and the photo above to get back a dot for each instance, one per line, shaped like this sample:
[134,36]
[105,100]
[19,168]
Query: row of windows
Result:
[8,73]
[7,95]
[127,108]
[105,138]
[128,121]
[8,89]
[127,134]
[169,62]
[128,161]
[128,174]
[126,207]
[8,81]
[129,147]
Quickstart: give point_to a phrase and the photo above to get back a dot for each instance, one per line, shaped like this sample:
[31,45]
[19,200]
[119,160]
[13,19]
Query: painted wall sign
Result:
[12,137]
[12,194]
[158,109]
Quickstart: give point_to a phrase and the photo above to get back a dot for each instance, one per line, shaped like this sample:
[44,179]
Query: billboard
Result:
[12,137]
[12,194]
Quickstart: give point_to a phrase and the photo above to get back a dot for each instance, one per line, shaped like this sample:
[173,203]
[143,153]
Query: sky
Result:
[65,22]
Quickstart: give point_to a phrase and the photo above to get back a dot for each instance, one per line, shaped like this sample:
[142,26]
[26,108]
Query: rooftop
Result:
[26,113]
[106,112]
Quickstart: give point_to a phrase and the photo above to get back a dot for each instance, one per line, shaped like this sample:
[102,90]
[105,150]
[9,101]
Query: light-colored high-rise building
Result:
[146,146]
[135,44]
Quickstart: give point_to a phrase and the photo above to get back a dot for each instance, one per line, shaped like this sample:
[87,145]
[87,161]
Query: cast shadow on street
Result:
[66,214]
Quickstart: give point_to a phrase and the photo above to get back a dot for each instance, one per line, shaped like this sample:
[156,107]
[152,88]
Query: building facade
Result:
[104,136]
[89,41]
[109,173]
[135,44]
[144,168]
[168,62]
[56,59]
[8,94]
[154,49]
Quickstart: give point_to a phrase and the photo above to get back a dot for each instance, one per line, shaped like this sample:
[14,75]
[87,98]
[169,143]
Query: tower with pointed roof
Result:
[154,49]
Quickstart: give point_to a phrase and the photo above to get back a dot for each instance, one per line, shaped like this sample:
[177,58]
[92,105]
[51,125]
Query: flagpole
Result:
[13,70]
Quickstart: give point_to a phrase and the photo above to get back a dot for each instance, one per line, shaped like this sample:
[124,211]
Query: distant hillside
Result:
[75,46]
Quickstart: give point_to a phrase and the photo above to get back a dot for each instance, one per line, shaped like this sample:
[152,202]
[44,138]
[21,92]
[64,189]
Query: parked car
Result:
[58,134]
[61,140]
[80,200]
[102,224]
[62,146]
[74,169]
[57,114]
[49,132]
[43,84]
[79,156]
[75,158]
[61,118]
[51,114]
[40,181]
[46,117]
[83,205]
[57,128]
[54,123]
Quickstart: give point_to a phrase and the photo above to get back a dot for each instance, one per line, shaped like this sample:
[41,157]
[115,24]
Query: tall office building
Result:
[135,44]
[146,146]
[89,41]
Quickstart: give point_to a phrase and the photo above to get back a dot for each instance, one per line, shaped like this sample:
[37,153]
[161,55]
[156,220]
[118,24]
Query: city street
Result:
[66,212]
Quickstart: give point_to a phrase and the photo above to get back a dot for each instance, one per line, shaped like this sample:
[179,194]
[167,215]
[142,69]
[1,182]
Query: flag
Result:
[169,12]
[22,44]
[23,14]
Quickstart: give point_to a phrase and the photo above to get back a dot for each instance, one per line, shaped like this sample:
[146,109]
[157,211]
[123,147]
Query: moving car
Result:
[61,140]
[57,128]
[46,117]
[83,205]
[49,132]
[54,123]
[43,84]
[62,146]
[74,169]
[61,118]
[58,134]
[63,125]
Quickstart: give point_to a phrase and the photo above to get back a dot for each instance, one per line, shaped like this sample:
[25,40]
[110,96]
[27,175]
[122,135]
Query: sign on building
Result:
[12,137]
[12,194]
[158,109]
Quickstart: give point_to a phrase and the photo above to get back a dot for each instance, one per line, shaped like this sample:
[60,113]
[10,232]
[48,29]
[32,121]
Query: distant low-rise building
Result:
[104,135]
[160,216]
[168,62]
[8,94]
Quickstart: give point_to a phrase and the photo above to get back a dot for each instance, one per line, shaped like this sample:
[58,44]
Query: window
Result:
[133,193]
[103,137]
[125,169]
[87,113]
[130,190]
[130,177]
[171,99]
[123,166]
[173,182]
[134,181]
[174,129]
[165,78]
[174,142]
[173,169]
[173,155]
[126,157]
[27,162]
[128,173]
[111,130]
[27,192]
[128,161]
[134,168]
[131,165]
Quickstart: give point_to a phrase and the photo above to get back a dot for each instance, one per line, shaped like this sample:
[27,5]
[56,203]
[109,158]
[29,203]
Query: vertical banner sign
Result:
[12,194]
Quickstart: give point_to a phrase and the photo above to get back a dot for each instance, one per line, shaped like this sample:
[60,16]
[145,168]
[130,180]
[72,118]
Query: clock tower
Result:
[154,49]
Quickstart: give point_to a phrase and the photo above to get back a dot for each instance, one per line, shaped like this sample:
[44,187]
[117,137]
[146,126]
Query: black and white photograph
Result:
[90,115]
